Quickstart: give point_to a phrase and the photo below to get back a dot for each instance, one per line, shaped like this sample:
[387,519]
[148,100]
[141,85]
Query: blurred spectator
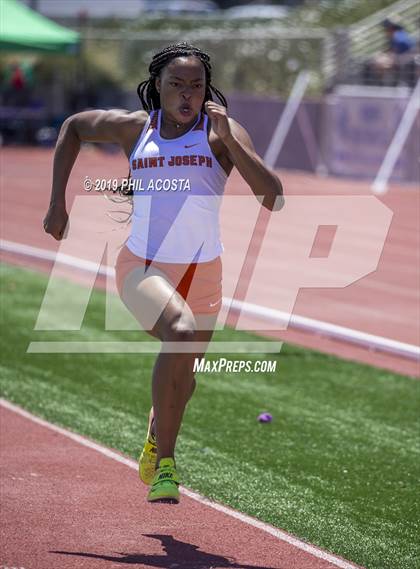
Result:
[22,113]
[399,39]
[17,84]
[396,65]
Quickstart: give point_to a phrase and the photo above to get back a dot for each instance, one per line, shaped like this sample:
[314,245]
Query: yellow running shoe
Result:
[147,460]
[165,483]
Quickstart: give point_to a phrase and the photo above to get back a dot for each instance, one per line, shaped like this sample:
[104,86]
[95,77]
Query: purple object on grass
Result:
[265,418]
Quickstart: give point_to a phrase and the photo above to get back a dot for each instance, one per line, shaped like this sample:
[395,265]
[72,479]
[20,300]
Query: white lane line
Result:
[56,257]
[349,335]
[283,319]
[279,534]
[153,348]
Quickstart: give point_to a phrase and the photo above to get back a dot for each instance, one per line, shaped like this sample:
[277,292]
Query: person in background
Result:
[390,67]
[399,39]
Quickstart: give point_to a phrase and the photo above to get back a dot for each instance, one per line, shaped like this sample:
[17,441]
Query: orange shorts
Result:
[199,284]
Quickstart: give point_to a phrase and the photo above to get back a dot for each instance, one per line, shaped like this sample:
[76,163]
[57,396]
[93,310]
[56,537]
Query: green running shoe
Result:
[165,484]
[147,460]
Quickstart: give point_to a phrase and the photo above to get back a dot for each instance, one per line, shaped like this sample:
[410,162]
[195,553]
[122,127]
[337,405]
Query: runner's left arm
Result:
[262,180]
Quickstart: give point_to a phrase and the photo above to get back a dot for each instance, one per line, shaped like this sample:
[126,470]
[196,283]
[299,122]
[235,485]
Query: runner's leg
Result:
[163,313]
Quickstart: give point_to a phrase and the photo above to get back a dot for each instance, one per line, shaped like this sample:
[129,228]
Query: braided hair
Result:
[147,91]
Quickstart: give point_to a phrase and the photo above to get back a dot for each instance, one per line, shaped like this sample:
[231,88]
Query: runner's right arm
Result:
[116,126]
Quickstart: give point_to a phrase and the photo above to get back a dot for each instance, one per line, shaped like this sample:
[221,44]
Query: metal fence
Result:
[259,60]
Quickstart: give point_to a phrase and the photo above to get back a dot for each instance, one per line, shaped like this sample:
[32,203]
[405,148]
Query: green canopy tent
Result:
[22,29]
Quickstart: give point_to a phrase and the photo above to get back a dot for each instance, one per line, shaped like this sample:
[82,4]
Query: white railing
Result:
[399,8]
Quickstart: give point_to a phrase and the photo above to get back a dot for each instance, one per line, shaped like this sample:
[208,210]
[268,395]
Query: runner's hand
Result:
[55,221]
[219,120]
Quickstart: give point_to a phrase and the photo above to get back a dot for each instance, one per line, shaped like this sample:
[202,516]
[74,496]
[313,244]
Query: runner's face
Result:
[182,87]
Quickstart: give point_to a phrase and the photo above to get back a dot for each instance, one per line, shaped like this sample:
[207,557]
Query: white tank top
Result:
[178,185]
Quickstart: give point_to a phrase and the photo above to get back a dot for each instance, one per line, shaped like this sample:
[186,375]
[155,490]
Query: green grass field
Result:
[338,466]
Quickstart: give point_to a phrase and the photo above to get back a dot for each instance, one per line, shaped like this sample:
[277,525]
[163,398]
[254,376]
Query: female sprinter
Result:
[169,271]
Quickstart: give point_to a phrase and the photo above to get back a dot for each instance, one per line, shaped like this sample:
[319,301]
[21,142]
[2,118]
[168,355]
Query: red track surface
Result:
[384,303]
[67,506]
